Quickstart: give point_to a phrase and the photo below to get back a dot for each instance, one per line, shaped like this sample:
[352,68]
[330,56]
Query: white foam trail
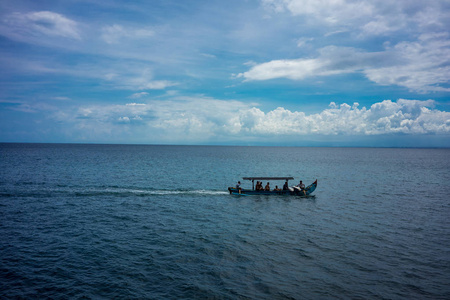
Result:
[192,192]
[168,192]
[142,192]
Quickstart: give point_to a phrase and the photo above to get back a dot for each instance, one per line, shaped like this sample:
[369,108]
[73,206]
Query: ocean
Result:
[157,222]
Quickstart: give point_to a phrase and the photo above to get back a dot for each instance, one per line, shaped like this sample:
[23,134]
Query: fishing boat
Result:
[288,190]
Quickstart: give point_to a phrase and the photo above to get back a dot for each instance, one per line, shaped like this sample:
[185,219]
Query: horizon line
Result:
[220,145]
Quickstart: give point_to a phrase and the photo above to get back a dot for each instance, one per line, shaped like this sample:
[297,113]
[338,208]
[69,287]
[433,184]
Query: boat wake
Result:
[108,191]
[142,192]
[169,192]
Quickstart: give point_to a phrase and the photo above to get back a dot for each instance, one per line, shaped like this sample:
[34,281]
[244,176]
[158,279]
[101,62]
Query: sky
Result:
[236,72]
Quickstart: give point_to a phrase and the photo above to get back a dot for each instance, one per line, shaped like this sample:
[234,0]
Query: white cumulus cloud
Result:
[201,119]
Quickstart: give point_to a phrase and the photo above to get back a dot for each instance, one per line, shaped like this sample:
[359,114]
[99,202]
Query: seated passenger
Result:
[286,186]
[267,187]
[301,187]
[276,188]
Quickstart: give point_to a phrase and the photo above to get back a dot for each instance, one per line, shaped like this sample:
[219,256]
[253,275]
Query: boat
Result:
[292,191]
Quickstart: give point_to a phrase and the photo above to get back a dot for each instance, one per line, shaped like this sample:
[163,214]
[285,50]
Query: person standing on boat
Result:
[238,186]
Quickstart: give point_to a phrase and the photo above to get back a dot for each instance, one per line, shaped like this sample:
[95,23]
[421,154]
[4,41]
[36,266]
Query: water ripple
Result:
[73,227]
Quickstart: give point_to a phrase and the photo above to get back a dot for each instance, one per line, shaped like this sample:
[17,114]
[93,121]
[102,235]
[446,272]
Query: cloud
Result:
[421,66]
[387,117]
[33,25]
[156,85]
[419,58]
[332,60]
[143,81]
[179,119]
[207,55]
[202,119]
[133,75]
[60,98]
[330,11]
[138,95]
[369,17]
[301,42]
[135,104]
[113,34]
[34,107]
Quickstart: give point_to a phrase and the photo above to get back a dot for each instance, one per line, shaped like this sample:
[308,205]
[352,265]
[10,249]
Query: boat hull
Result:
[291,192]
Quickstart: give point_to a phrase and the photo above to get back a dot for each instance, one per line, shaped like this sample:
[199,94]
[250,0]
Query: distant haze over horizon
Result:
[259,72]
[305,145]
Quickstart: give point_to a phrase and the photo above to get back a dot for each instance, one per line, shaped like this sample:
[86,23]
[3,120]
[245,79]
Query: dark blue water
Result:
[120,221]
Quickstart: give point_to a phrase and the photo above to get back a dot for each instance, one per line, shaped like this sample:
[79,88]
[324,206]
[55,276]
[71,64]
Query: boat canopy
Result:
[267,178]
